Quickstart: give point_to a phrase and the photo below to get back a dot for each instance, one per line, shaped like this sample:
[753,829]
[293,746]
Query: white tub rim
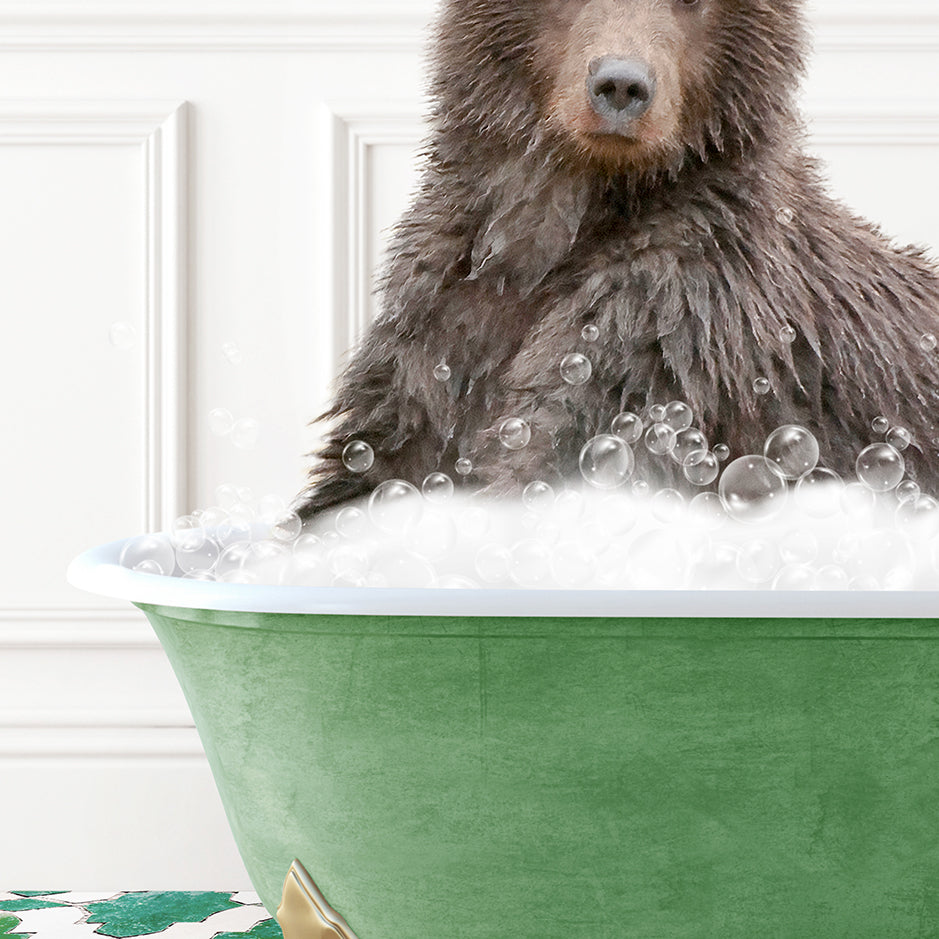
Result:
[98,571]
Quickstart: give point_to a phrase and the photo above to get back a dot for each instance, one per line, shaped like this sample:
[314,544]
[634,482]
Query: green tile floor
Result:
[65,914]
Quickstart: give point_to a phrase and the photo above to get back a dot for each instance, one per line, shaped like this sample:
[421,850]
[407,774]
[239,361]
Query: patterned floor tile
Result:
[37,914]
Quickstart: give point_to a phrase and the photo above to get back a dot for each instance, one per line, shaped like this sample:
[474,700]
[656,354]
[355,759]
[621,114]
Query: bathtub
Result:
[457,764]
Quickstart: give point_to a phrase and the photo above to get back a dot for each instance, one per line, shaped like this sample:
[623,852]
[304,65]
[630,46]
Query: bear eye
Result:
[688,3]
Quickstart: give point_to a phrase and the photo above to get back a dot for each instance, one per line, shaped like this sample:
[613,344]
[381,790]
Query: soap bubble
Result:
[492,563]
[880,425]
[198,559]
[187,532]
[349,562]
[908,491]
[569,507]
[617,516]
[442,372]
[657,413]
[831,577]
[514,433]
[660,438]
[762,386]
[751,491]
[668,505]
[530,564]
[434,535]
[795,577]
[394,505]
[308,563]
[818,492]
[798,546]
[571,565]
[920,516]
[658,559]
[721,451]
[221,422]
[241,513]
[707,511]
[464,466]
[701,468]
[351,522]
[270,508]
[122,336]
[233,529]
[640,488]
[928,342]
[606,461]
[678,415]
[286,527]
[758,561]
[899,438]
[627,426]
[785,215]
[576,369]
[358,456]
[244,433]
[404,569]
[231,352]
[688,442]
[155,552]
[787,334]
[211,517]
[792,451]
[232,558]
[857,501]
[437,487]
[880,467]
[590,333]
[538,495]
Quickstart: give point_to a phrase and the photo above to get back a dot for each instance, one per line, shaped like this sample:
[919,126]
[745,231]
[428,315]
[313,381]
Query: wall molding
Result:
[74,628]
[847,123]
[130,741]
[347,132]
[402,25]
[159,130]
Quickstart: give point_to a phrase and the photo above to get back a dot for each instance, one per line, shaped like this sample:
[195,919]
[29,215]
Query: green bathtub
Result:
[606,765]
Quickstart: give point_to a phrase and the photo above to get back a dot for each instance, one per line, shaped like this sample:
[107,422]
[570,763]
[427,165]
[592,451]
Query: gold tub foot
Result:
[304,913]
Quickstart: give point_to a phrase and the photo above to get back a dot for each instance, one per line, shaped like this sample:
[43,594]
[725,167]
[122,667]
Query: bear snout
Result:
[620,90]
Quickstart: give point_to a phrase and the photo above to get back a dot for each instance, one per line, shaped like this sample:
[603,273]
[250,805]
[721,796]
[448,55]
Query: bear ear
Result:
[530,227]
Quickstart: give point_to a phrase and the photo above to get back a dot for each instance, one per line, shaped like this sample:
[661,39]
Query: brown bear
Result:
[634,166]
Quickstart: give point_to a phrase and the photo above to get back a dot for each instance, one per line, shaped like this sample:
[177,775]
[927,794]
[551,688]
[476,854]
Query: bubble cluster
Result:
[779,519]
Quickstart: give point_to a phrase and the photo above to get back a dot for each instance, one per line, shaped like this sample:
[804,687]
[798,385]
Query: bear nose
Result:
[620,90]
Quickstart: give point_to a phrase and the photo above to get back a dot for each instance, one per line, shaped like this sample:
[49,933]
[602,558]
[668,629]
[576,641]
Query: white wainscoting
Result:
[225,171]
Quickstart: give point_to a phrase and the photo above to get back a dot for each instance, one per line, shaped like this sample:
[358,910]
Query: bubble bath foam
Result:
[607,764]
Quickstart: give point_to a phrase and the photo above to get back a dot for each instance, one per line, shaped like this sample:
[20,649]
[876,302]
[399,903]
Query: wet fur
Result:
[519,236]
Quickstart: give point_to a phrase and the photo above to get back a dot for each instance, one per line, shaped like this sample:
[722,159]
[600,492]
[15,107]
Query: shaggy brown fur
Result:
[690,240]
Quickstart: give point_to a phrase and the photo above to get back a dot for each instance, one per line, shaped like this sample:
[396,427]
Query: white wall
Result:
[212,172]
